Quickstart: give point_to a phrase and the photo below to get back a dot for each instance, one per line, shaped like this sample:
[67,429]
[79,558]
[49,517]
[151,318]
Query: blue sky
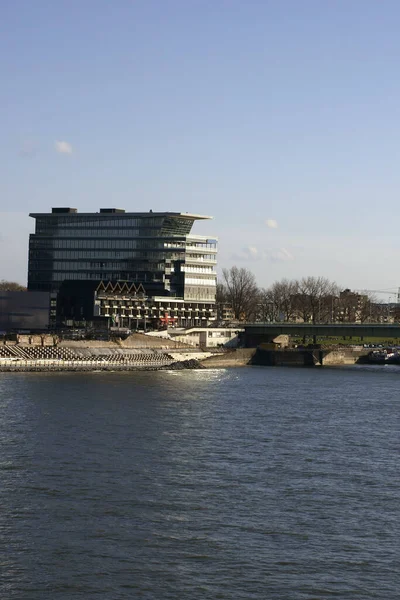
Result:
[247,111]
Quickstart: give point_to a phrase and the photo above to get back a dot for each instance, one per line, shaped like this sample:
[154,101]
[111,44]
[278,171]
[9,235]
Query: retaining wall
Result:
[234,358]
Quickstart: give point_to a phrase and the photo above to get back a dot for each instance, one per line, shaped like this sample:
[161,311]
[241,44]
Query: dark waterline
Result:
[255,483]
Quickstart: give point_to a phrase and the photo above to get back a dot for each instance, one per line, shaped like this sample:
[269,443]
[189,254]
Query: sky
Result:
[279,119]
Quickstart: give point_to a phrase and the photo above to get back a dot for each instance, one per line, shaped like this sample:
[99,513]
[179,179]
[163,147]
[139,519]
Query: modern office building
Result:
[176,269]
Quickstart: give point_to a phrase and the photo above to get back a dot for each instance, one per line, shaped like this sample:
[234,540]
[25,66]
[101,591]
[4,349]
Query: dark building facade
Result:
[107,303]
[156,250]
[30,311]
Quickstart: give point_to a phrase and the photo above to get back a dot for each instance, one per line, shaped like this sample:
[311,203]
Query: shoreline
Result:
[189,365]
[99,359]
[92,366]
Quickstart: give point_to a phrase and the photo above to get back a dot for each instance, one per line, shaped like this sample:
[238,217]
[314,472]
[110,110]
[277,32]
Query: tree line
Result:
[310,300]
[11,286]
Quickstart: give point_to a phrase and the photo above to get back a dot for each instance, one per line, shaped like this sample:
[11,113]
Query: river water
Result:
[251,483]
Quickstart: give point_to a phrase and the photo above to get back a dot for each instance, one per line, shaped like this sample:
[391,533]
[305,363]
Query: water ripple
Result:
[238,484]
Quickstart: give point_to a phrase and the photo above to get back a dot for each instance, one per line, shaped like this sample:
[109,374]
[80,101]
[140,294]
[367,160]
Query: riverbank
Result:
[92,356]
[106,358]
[93,366]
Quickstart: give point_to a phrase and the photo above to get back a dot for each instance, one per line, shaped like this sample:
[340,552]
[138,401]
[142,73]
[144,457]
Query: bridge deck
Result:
[328,330]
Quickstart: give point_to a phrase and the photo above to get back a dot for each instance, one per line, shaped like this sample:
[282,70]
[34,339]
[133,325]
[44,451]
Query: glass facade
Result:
[155,249]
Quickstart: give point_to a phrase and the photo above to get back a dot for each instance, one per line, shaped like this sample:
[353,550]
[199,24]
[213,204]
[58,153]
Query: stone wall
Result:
[345,356]
[235,358]
[135,340]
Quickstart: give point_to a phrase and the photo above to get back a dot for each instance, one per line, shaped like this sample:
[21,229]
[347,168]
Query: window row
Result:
[200,293]
[85,266]
[205,245]
[174,245]
[70,266]
[97,244]
[102,275]
[197,269]
[98,221]
[100,233]
[103,255]
[198,281]
[200,257]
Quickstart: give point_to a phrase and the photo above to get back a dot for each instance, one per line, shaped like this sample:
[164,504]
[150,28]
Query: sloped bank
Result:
[97,359]
[240,357]
[114,358]
[87,366]
[184,364]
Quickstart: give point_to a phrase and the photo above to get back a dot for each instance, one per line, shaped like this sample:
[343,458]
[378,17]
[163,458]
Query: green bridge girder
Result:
[324,330]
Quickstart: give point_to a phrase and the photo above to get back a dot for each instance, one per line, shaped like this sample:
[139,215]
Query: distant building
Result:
[208,337]
[77,254]
[353,307]
[30,311]
[225,312]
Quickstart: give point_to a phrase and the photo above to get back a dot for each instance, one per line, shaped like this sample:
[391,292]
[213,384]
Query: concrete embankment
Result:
[287,357]
[92,366]
[94,358]
[309,357]
[139,351]
[234,358]
[138,341]
[105,359]
[111,356]
[346,356]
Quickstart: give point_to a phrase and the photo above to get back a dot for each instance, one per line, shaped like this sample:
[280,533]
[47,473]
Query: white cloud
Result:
[271,223]
[63,147]
[281,255]
[251,253]
[248,253]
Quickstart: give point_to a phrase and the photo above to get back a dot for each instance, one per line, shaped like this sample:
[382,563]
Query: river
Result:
[252,483]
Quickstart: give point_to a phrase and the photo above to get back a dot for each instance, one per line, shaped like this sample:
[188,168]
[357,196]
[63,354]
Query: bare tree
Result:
[221,295]
[242,292]
[315,299]
[284,294]
[267,309]
[278,303]
[222,303]
[11,286]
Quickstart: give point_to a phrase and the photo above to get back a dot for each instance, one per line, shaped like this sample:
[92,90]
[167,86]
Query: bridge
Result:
[256,333]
